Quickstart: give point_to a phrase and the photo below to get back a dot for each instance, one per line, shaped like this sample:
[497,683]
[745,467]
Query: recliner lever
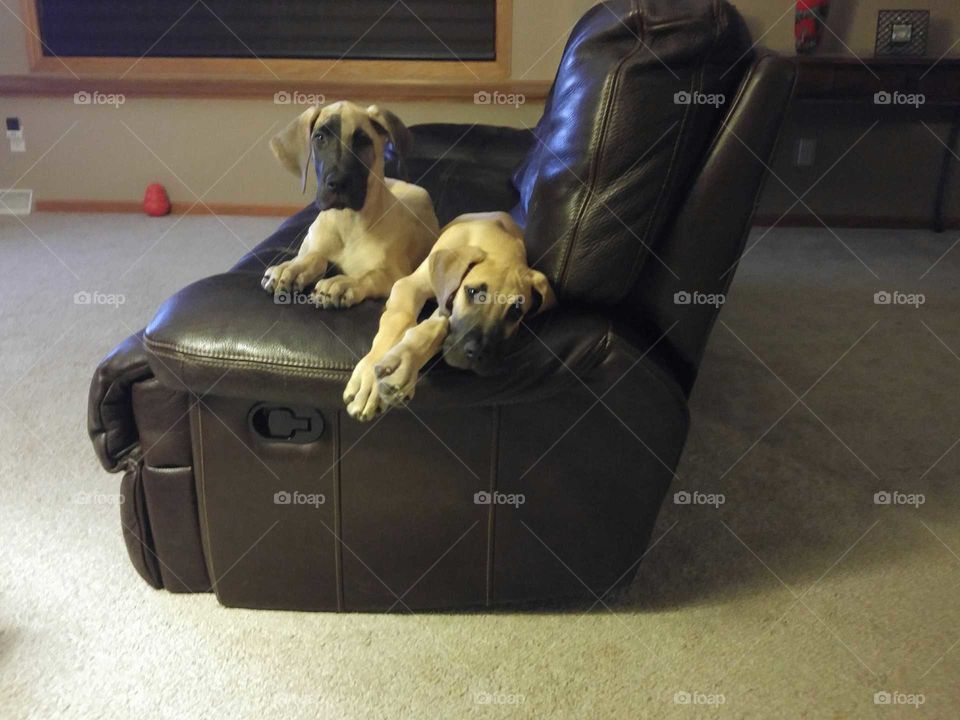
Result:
[286,423]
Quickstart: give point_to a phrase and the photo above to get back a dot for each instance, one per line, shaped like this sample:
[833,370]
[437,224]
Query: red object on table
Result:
[156,202]
[811,18]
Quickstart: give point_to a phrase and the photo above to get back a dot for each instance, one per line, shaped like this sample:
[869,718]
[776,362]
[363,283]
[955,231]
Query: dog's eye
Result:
[477,295]
[515,312]
[320,138]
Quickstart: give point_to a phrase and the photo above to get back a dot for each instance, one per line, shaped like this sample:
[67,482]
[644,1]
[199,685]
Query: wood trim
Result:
[179,208]
[504,36]
[233,69]
[251,210]
[59,84]
[282,70]
[32,22]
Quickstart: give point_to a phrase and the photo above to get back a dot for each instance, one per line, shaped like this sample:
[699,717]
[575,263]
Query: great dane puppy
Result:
[372,228]
[478,274]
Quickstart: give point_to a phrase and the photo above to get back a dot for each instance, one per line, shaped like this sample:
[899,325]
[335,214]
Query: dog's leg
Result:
[342,291]
[398,370]
[312,261]
[407,299]
[295,274]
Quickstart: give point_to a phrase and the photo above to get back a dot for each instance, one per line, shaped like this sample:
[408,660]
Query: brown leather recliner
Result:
[244,475]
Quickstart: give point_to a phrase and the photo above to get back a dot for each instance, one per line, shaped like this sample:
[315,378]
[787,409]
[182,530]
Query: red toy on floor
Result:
[156,202]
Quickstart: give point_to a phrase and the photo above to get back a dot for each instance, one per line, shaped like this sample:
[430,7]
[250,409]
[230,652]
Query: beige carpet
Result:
[798,597]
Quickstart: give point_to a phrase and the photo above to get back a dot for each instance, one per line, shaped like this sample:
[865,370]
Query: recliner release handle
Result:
[286,423]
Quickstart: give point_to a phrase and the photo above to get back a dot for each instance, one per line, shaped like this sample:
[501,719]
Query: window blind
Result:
[304,29]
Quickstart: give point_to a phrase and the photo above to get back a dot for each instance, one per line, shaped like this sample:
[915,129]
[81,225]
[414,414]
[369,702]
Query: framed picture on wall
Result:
[902,33]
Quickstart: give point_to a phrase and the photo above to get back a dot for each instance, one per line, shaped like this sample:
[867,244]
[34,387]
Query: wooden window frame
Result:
[275,70]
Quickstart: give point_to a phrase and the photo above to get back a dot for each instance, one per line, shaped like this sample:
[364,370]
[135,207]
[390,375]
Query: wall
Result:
[193,146]
[853,24]
[215,149]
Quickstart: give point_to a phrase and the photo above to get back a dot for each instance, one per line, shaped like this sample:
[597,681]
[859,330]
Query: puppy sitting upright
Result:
[372,228]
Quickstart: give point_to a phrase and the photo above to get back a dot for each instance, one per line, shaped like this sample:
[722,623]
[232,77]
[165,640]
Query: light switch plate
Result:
[806,152]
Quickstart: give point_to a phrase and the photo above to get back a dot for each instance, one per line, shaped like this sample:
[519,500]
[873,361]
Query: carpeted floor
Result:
[798,597]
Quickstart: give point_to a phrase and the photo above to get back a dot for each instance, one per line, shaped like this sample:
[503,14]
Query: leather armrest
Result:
[282,245]
[224,336]
[110,420]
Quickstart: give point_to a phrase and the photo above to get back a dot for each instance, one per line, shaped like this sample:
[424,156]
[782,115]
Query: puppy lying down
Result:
[478,274]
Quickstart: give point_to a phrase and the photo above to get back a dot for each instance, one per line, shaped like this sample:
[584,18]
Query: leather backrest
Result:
[637,99]
[698,257]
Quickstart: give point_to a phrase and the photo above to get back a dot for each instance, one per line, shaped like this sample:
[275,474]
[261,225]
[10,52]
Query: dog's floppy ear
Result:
[292,145]
[447,270]
[399,135]
[543,296]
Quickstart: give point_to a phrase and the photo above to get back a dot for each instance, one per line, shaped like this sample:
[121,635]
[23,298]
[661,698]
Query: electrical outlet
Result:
[15,135]
[806,152]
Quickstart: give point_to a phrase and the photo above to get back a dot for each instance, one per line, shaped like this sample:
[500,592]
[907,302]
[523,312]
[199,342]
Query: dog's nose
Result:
[336,183]
[472,348]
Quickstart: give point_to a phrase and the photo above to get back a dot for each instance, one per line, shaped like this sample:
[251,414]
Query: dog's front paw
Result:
[287,276]
[396,377]
[337,293]
[361,395]
[271,278]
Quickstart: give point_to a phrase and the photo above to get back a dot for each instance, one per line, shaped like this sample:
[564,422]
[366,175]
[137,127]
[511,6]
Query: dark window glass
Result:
[308,29]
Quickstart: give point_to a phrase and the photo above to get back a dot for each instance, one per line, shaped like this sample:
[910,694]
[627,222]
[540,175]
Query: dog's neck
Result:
[379,198]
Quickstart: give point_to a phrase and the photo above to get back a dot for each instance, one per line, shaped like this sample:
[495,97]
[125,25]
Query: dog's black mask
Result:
[342,165]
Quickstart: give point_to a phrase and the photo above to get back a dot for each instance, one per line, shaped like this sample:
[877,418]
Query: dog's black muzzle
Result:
[341,181]
[475,350]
